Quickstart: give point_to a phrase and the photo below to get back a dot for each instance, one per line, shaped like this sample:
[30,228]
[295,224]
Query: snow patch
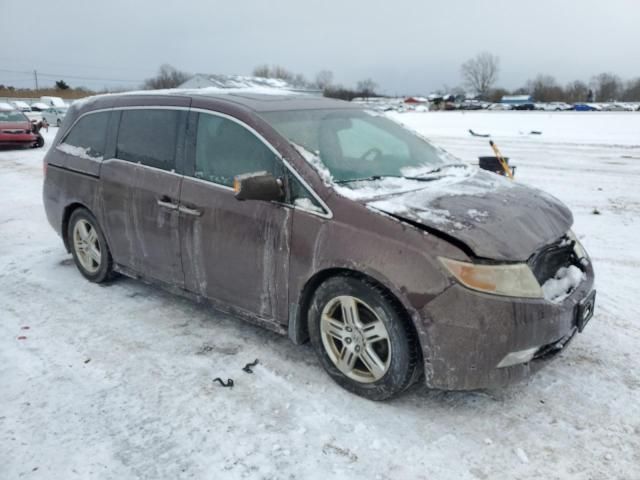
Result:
[80,152]
[563,283]
[307,204]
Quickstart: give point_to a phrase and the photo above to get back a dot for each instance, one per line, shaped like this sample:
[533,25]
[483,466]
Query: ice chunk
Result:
[565,281]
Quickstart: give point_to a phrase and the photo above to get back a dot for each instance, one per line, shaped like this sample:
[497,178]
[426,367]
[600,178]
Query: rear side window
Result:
[149,137]
[225,149]
[89,134]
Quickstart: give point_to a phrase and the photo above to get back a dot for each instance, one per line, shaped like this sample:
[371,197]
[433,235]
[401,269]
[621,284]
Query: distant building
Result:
[517,99]
[202,80]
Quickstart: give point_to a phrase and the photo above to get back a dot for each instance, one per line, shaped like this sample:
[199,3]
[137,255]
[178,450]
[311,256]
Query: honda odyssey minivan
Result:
[315,218]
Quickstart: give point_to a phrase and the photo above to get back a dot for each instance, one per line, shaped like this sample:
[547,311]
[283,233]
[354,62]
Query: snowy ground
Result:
[116,381]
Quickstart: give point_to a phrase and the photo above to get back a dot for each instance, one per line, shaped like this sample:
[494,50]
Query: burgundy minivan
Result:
[319,219]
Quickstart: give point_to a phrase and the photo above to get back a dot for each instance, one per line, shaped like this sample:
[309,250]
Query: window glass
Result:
[300,196]
[225,149]
[89,134]
[365,137]
[354,144]
[149,137]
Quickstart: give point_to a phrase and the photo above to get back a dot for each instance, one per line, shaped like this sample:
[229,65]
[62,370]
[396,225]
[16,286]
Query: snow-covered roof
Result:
[516,99]
[6,106]
[201,80]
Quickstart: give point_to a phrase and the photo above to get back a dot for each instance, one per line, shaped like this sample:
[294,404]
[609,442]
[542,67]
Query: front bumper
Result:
[10,140]
[467,334]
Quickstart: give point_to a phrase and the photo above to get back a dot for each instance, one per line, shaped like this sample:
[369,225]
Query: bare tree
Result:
[576,92]
[608,87]
[544,88]
[262,71]
[496,94]
[367,87]
[481,72]
[167,77]
[324,79]
[632,91]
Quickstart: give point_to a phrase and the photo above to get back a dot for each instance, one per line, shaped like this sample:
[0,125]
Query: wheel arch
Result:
[298,329]
[66,216]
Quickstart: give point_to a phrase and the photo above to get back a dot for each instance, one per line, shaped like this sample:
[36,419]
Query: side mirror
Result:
[258,186]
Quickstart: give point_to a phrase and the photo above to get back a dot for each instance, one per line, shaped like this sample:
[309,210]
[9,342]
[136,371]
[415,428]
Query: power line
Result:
[75,77]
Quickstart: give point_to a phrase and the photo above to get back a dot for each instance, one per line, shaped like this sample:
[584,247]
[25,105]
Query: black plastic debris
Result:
[229,382]
[476,134]
[248,367]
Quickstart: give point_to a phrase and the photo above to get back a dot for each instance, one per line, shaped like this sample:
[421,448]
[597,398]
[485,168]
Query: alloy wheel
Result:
[355,339]
[87,246]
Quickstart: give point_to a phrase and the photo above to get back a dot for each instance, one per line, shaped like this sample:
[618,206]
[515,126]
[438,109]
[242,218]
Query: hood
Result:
[493,216]
[25,125]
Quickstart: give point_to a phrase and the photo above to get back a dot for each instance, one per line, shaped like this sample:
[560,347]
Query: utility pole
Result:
[35,75]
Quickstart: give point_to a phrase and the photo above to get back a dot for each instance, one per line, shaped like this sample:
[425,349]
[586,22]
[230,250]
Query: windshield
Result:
[358,145]
[12,116]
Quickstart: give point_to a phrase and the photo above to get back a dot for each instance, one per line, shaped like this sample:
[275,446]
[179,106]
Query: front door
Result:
[234,252]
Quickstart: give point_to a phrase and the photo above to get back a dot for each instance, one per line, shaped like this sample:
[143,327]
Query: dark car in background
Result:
[326,222]
[16,129]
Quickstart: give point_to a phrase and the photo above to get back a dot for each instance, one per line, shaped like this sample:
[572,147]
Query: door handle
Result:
[190,211]
[165,202]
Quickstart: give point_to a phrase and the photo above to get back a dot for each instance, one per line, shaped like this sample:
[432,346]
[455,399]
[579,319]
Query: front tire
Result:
[89,247]
[363,337]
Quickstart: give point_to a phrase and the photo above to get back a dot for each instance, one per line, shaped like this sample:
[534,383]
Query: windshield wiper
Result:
[367,179]
[437,170]
[422,178]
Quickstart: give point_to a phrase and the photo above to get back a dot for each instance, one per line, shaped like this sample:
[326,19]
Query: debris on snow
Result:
[522,455]
[229,382]
[247,367]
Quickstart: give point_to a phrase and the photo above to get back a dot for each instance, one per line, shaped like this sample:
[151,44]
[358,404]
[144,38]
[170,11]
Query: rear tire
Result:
[363,337]
[89,247]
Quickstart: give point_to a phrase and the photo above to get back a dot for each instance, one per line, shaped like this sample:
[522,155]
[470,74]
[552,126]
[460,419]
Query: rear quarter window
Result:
[88,136]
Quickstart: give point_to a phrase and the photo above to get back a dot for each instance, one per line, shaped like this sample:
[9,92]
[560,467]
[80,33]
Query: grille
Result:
[14,132]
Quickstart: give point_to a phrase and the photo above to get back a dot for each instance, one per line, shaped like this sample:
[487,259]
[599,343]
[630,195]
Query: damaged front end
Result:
[482,338]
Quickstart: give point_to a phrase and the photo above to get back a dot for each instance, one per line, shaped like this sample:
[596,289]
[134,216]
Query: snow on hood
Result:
[495,217]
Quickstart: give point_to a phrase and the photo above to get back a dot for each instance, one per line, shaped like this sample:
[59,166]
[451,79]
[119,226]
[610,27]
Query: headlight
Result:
[577,248]
[513,280]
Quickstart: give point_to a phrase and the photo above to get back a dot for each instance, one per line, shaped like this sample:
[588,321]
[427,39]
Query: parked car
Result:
[54,115]
[39,107]
[499,106]
[34,116]
[21,105]
[586,107]
[53,101]
[555,106]
[16,129]
[318,219]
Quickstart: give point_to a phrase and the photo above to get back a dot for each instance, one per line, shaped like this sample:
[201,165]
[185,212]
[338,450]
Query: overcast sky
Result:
[406,46]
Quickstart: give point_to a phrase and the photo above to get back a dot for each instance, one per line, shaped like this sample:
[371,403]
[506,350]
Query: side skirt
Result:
[219,306]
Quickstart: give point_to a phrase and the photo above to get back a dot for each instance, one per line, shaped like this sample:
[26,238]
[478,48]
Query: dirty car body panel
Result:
[264,260]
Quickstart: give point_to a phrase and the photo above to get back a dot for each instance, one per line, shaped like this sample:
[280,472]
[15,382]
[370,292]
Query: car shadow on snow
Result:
[214,332]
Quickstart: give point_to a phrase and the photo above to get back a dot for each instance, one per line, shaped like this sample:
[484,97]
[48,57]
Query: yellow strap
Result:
[502,161]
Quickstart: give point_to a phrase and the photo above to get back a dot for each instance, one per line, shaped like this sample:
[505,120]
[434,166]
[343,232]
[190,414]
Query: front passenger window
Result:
[225,149]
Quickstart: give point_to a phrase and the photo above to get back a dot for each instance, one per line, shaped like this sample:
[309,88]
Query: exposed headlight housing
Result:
[512,280]
[577,248]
